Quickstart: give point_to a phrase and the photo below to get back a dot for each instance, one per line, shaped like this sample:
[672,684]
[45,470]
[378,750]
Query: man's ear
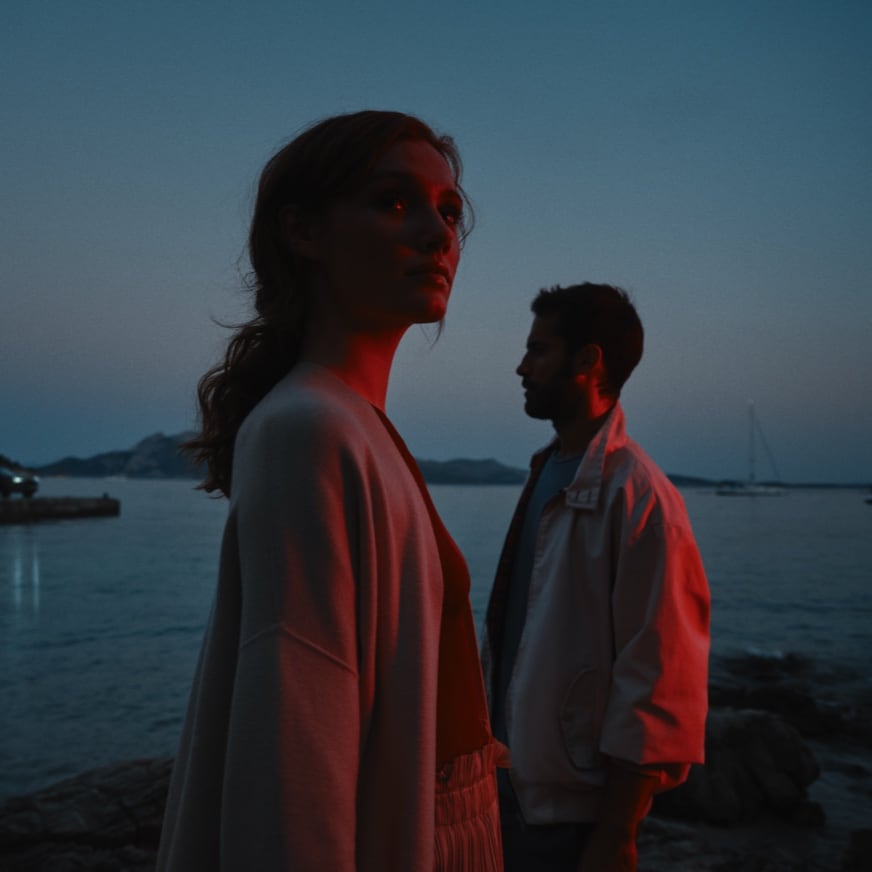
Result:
[587,359]
[299,233]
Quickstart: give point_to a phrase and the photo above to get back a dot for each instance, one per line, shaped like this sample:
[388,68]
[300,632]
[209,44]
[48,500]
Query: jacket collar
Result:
[584,491]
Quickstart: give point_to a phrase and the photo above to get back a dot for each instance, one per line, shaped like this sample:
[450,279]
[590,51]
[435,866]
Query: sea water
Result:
[101,619]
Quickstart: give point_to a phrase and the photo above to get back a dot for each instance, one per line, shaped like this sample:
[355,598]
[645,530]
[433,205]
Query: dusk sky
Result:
[713,158]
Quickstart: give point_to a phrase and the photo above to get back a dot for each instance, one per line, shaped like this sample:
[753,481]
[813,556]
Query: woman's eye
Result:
[452,215]
[392,203]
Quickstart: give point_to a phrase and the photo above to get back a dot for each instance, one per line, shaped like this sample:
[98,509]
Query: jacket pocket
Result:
[581,719]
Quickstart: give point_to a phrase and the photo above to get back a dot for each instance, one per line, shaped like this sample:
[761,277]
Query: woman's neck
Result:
[363,361]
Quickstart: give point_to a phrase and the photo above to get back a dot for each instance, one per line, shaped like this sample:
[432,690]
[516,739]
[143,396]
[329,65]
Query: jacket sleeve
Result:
[296,725]
[657,705]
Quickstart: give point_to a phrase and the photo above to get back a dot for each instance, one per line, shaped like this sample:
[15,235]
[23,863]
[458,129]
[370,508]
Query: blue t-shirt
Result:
[556,475]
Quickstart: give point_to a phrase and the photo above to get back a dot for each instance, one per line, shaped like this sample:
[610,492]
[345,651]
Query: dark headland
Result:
[160,456]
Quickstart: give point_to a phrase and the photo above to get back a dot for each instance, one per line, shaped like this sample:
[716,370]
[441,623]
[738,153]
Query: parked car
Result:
[17,481]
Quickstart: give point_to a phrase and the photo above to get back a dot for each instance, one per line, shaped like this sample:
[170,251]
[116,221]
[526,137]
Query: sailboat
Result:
[751,488]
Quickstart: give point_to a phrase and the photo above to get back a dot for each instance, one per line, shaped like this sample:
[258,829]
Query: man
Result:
[597,635]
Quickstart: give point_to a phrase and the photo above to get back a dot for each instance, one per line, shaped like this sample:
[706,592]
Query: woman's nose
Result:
[436,232]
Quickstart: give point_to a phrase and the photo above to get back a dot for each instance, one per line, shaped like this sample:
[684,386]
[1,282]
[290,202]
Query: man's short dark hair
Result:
[596,314]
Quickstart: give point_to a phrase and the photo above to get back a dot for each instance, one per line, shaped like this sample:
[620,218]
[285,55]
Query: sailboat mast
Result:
[751,441]
[749,487]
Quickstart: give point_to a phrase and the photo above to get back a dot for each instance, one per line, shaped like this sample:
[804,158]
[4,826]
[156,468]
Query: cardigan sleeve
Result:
[297,718]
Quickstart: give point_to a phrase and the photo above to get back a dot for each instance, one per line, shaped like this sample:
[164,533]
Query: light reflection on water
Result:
[23,557]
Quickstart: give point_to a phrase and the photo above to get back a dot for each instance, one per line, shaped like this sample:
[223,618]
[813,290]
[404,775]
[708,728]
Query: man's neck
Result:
[574,435]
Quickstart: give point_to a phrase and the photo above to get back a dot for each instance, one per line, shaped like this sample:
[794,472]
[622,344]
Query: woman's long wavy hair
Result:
[326,162]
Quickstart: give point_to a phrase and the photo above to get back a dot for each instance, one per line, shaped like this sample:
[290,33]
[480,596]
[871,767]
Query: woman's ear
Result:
[298,233]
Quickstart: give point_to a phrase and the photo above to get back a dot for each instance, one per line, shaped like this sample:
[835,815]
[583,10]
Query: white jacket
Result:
[613,659]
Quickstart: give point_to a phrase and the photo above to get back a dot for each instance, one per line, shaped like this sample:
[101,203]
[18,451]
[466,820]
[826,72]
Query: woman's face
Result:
[385,257]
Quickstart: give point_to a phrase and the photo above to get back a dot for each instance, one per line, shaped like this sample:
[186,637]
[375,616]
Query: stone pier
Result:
[26,511]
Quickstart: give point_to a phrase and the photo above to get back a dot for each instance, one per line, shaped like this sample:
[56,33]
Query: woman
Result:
[337,719]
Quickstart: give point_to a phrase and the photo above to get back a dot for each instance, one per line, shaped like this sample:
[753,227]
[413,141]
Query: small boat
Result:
[751,487]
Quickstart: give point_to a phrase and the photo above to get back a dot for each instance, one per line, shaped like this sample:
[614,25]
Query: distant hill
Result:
[470,472]
[159,456]
[156,456]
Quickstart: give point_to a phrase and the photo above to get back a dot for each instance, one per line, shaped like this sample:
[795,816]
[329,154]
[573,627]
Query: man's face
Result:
[550,390]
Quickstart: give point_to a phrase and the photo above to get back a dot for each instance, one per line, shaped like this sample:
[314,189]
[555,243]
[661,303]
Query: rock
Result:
[746,809]
[829,701]
[858,857]
[108,818]
[755,764]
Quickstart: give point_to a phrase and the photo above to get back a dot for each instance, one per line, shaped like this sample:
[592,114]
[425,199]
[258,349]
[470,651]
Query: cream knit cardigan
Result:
[310,736]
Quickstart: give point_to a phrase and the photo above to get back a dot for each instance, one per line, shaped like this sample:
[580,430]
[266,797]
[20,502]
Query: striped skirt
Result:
[468,813]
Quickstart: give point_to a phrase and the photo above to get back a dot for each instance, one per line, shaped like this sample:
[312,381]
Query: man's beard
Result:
[543,404]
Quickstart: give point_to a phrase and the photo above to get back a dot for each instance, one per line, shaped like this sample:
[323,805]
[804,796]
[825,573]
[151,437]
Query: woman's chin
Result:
[433,310]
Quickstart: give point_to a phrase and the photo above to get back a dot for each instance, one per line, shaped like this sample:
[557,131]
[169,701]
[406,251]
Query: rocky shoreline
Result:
[787,787]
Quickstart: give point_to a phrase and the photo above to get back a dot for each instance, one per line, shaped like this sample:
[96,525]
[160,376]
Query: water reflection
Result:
[19,569]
